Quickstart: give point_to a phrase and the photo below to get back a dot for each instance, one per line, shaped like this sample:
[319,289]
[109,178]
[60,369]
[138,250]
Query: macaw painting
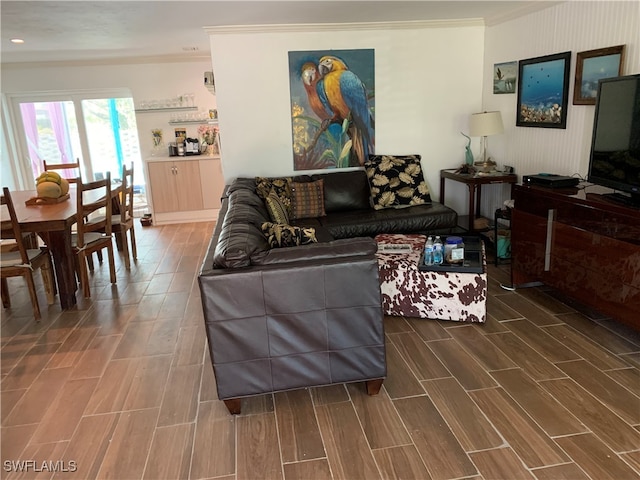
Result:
[332,108]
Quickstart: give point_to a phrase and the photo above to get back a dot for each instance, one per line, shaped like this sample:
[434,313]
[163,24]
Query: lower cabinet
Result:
[184,190]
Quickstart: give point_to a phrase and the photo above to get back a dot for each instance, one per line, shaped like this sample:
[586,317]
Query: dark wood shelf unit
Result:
[581,244]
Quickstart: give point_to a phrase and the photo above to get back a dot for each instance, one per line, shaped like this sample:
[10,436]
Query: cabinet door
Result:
[187,185]
[163,189]
[212,182]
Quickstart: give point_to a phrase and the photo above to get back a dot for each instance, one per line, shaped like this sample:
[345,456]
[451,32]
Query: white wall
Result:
[145,81]
[427,80]
[570,26]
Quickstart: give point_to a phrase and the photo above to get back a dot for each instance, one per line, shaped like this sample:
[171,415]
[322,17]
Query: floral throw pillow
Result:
[280,235]
[282,187]
[396,181]
[277,210]
[307,199]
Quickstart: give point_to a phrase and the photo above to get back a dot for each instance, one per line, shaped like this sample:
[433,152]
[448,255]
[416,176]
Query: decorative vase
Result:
[212,150]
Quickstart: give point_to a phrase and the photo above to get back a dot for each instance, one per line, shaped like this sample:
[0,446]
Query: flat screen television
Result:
[615,145]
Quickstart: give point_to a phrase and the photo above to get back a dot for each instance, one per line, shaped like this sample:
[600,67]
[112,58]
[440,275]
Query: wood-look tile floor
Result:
[121,388]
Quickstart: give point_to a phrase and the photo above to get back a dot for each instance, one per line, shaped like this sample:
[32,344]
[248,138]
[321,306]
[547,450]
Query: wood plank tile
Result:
[393,324]
[583,346]
[61,327]
[258,404]
[428,329]
[214,450]
[113,387]
[14,440]
[134,340]
[180,402]
[174,305]
[346,446]
[94,360]
[490,325]
[550,414]
[566,471]
[528,310]
[610,428]
[400,381]
[398,463]
[380,421]
[316,469]
[170,453]
[34,403]
[554,350]
[159,283]
[42,454]
[463,366]
[329,394]
[163,337]
[191,345]
[208,389]
[465,419]
[605,389]
[29,367]
[500,463]
[73,347]
[147,386]
[500,310]
[9,400]
[536,366]
[633,459]
[148,308]
[481,348]
[442,454]
[540,297]
[112,319]
[89,445]
[14,350]
[603,336]
[127,452]
[258,455]
[595,458]
[62,418]
[627,377]
[182,281]
[422,362]
[297,427]
[526,438]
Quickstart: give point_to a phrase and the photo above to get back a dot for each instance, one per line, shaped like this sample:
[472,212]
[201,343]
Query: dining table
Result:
[53,223]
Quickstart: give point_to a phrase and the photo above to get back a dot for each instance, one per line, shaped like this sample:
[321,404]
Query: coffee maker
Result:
[192,146]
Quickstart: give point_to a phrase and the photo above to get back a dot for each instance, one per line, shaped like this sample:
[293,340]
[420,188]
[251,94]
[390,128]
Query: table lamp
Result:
[482,125]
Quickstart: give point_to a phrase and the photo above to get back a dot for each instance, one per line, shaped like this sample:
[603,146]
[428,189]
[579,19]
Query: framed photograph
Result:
[543,90]
[591,67]
[504,77]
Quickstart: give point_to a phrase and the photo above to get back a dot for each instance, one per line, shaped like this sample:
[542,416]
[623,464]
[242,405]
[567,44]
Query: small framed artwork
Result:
[543,89]
[504,77]
[591,67]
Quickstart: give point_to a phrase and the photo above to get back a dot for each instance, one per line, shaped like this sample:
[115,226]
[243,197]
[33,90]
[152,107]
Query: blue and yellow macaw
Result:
[343,94]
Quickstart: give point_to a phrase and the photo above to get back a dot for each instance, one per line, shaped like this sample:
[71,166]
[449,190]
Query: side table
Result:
[474,182]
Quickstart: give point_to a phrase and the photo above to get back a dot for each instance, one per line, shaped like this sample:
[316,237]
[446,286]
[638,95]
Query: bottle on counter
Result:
[428,251]
[438,253]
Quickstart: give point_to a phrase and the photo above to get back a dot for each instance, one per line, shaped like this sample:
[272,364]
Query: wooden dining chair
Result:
[93,228]
[22,261]
[73,177]
[122,222]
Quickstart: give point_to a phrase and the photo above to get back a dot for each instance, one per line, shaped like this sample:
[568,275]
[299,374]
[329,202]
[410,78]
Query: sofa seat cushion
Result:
[419,218]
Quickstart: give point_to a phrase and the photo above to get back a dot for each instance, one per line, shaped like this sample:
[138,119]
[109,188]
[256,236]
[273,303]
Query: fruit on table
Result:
[51,185]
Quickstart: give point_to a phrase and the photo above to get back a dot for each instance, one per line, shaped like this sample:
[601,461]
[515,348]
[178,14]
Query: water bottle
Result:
[428,251]
[438,254]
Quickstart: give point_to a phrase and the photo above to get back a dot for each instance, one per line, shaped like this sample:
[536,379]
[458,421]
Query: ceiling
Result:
[103,31]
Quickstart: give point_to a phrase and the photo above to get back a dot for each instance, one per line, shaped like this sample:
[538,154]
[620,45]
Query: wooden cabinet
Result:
[184,190]
[581,244]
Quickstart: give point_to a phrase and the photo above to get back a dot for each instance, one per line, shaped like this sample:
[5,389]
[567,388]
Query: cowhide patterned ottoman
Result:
[409,292]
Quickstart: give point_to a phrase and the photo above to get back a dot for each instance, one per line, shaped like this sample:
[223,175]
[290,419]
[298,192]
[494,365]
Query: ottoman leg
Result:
[373,386]
[233,405]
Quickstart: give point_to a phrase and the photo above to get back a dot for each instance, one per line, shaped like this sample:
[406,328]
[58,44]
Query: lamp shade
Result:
[485,124]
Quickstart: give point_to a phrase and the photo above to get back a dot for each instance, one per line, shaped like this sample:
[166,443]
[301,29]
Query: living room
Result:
[141,389]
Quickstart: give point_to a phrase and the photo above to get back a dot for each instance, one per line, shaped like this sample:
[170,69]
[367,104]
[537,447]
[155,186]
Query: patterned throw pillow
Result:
[277,210]
[396,181]
[282,187]
[307,199]
[280,235]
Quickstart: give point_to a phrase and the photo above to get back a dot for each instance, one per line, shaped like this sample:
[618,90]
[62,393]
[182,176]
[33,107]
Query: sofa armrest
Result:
[348,247]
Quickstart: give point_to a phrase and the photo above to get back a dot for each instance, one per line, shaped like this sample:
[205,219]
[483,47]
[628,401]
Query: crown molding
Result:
[524,10]
[325,27]
[174,58]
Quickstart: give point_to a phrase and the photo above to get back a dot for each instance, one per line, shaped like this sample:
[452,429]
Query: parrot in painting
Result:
[344,95]
[310,77]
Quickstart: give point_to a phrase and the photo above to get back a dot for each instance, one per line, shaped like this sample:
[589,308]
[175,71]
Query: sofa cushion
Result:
[281,185]
[281,235]
[277,210]
[345,190]
[396,181]
[307,199]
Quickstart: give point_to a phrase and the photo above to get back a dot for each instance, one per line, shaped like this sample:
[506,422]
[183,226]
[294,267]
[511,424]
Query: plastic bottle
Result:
[438,254]
[428,251]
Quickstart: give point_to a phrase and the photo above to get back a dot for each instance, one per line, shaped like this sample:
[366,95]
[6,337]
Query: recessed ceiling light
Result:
[17,40]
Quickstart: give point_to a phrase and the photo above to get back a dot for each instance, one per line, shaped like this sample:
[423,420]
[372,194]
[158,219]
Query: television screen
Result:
[615,146]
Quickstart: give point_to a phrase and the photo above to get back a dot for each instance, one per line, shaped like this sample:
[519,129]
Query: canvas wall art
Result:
[591,67]
[505,76]
[332,108]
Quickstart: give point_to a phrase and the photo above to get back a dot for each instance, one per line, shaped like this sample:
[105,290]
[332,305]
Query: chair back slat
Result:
[72,177]
[15,226]
[126,199]
[91,198]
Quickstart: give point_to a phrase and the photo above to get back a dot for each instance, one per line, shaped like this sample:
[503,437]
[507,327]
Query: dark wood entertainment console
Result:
[580,243]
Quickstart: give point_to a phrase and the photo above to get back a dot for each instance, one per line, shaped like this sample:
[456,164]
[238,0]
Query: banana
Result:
[49,177]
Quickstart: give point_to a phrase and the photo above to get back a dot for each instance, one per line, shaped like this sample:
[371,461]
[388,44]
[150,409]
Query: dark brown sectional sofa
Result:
[286,318]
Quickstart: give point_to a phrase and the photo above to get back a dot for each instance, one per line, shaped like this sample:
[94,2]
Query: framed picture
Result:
[591,67]
[543,90]
[504,77]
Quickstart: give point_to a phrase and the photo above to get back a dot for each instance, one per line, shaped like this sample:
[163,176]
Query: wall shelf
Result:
[199,122]
[165,109]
